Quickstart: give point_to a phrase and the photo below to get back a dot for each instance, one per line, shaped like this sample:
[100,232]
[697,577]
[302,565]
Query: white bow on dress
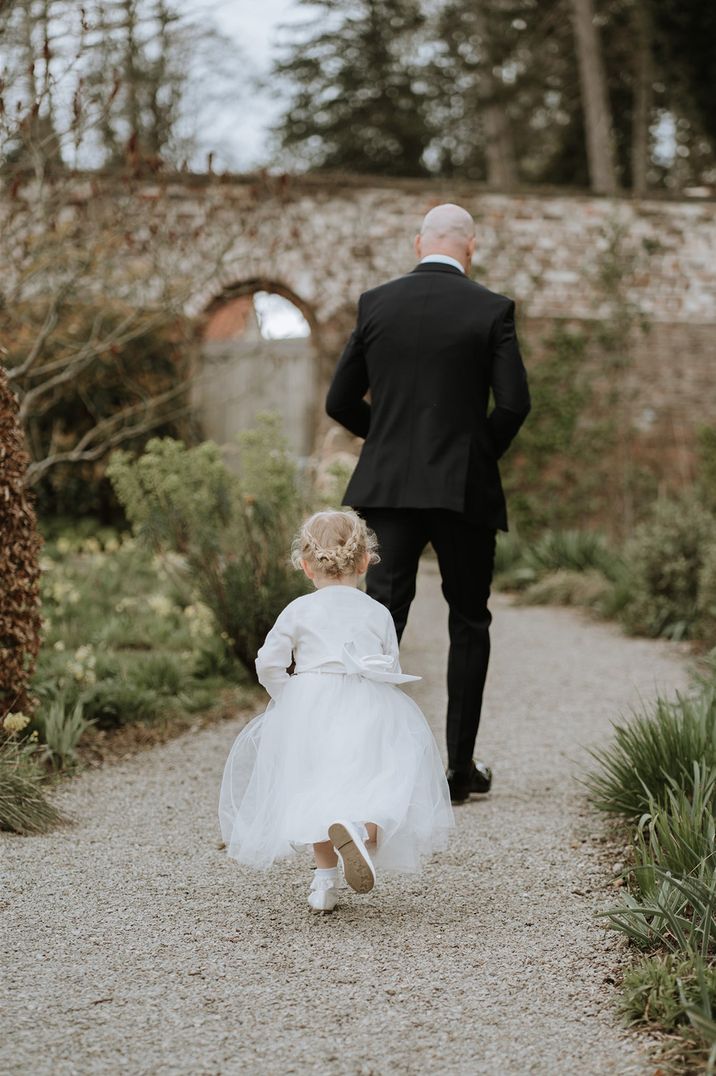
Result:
[374,667]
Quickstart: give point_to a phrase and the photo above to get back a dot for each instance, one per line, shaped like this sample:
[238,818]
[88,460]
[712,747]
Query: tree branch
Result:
[84,451]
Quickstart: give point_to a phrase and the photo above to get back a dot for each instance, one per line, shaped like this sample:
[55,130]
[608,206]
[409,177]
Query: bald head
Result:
[447,229]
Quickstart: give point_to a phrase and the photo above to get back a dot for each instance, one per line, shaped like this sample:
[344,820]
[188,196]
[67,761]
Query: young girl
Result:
[342,759]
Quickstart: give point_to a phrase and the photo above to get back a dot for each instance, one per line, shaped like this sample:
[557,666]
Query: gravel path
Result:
[135,946]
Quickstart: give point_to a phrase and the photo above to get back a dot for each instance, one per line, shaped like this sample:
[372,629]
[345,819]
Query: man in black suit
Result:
[429,347]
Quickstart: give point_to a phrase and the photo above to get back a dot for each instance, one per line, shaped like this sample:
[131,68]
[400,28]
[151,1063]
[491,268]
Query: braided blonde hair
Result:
[333,543]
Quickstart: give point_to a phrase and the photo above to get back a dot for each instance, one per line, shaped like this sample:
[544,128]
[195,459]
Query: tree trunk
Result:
[500,150]
[642,100]
[131,71]
[499,145]
[595,101]
[20,621]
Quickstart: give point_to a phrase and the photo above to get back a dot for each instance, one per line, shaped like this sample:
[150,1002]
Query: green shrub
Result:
[568,587]
[509,551]
[166,674]
[572,550]
[555,472]
[233,534]
[653,752]
[61,728]
[519,565]
[663,989]
[112,703]
[664,560]
[706,478]
[705,670]
[24,808]
[213,658]
[706,611]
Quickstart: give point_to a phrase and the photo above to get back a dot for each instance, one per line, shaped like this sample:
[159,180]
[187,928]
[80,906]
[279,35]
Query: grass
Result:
[662,990]
[676,995]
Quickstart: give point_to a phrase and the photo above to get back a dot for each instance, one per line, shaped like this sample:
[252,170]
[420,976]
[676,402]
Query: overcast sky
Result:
[241,128]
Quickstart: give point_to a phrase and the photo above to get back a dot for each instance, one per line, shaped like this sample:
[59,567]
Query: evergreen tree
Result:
[512,61]
[685,42]
[359,100]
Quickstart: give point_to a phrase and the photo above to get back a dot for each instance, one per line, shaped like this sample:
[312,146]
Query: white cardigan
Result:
[336,629]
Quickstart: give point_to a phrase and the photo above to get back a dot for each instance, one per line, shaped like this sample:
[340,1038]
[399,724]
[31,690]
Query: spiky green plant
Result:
[62,728]
[573,550]
[653,750]
[24,808]
[678,833]
[677,915]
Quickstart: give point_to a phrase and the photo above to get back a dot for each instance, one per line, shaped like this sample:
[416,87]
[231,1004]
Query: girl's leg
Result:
[324,855]
[372,842]
[323,896]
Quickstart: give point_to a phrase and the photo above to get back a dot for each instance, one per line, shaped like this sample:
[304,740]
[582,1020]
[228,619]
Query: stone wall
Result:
[327,240]
[321,241]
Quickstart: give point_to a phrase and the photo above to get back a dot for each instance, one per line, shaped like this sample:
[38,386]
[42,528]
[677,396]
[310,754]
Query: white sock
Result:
[328,874]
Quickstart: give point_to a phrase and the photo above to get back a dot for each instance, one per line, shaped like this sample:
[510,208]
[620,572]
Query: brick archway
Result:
[250,287]
[242,372]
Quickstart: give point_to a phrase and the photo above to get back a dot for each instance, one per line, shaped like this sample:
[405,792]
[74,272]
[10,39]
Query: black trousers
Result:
[466,556]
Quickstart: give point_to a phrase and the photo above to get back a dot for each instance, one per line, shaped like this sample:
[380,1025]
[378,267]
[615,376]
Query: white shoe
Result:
[323,895]
[357,867]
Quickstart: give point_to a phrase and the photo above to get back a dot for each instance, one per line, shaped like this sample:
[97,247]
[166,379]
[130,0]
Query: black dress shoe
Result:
[480,778]
[459,785]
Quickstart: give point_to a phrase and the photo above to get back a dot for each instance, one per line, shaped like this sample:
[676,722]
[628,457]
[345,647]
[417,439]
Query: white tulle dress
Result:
[339,740]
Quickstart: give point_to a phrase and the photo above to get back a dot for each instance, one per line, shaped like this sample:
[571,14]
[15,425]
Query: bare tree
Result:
[74,307]
[83,286]
[595,100]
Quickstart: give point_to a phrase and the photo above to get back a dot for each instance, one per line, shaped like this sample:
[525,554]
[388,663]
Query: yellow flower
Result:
[160,604]
[15,722]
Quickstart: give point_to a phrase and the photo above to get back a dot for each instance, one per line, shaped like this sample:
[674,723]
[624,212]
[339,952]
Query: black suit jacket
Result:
[429,346]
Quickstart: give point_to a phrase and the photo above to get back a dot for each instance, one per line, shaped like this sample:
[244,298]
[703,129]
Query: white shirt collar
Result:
[444,259]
